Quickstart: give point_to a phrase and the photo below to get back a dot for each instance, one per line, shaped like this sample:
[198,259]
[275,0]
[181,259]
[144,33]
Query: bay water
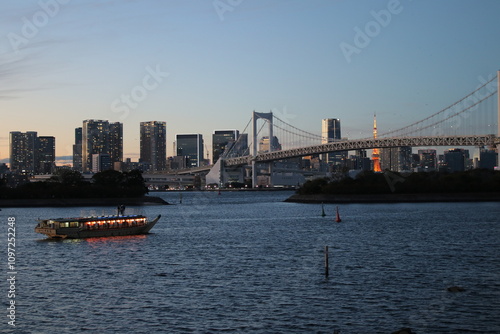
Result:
[247,262]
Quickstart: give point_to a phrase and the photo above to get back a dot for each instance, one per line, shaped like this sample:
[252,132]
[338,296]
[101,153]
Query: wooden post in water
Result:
[326,262]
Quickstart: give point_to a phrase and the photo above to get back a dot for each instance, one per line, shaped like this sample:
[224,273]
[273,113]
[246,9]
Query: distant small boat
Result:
[337,216]
[102,226]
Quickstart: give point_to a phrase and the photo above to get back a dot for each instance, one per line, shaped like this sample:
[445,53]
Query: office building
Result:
[223,142]
[330,132]
[101,162]
[177,162]
[264,144]
[487,159]
[396,159]
[455,159]
[191,147]
[153,150]
[359,161]
[427,160]
[101,137]
[240,148]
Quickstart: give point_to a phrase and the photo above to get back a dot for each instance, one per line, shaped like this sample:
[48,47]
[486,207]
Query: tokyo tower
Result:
[375,152]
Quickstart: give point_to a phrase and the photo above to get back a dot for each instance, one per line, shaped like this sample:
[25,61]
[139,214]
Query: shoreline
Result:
[78,202]
[394,198]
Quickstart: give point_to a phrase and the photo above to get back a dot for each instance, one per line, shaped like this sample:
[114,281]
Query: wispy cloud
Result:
[20,70]
[33,34]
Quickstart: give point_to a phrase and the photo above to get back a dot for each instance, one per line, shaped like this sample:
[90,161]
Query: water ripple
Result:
[248,263]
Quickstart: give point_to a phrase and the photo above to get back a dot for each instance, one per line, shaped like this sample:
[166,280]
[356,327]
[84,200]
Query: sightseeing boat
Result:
[101,226]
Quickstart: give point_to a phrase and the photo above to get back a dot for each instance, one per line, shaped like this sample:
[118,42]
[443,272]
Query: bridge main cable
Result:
[385,134]
[309,134]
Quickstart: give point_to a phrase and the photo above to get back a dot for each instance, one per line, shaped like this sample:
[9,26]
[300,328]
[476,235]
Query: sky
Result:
[204,65]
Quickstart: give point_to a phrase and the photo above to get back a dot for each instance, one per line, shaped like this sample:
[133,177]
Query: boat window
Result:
[73,224]
[65,224]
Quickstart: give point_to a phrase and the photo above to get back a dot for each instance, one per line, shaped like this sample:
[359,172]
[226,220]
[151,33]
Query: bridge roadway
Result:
[361,144]
[355,144]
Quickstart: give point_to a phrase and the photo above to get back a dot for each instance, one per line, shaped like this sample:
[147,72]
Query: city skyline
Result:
[200,68]
[108,137]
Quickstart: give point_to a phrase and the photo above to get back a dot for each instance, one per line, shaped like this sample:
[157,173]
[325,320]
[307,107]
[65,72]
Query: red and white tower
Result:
[375,153]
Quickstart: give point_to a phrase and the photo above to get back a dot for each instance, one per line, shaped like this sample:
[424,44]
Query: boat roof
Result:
[92,218]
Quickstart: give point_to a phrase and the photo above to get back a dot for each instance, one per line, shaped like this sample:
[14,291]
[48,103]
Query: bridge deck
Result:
[360,144]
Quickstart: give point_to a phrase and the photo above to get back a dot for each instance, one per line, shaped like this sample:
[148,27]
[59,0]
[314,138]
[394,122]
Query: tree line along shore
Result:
[68,188]
[389,187]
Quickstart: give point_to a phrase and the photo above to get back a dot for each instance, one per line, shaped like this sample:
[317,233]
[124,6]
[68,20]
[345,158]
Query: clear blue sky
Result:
[226,58]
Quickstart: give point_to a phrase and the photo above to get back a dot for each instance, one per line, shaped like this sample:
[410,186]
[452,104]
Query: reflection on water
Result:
[106,240]
[76,241]
[247,262]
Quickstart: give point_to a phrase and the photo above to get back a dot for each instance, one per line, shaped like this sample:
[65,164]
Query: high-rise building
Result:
[100,137]
[154,145]
[190,146]
[77,150]
[487,159]
[223,140]
[115,142]
[30,154]
[101,162]
[241,148]
[428,160]
[330,132]
[359,161]
[455,159]
[23,147]
[94,141]
[264,144]
[46,155]
[397,159]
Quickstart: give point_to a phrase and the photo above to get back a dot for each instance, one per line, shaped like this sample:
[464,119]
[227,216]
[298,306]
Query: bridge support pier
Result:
[254,174]
[270,170]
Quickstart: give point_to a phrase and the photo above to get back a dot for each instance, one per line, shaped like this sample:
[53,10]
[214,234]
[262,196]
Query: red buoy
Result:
[337,217]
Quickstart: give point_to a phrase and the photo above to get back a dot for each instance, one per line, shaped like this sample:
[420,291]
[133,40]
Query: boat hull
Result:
[79,233]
